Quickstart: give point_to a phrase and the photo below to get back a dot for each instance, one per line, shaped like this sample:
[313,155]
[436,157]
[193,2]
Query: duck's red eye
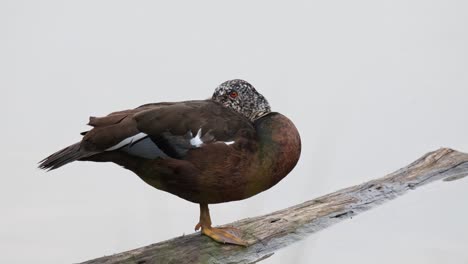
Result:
[233,94]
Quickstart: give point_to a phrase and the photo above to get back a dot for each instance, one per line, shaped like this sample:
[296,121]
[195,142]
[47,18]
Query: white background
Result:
[371,85]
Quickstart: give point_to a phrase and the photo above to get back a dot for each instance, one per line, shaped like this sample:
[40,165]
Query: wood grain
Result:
[268,233]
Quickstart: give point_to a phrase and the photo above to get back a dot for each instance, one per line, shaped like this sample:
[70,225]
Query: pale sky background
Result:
[371,86]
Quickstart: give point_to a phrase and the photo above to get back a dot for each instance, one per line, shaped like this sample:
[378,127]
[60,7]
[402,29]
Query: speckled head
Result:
[242,97]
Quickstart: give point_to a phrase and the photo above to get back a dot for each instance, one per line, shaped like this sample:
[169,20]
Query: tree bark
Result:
[268,233]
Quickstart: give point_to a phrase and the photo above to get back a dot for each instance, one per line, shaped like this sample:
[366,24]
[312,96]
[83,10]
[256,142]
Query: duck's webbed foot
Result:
[229,235]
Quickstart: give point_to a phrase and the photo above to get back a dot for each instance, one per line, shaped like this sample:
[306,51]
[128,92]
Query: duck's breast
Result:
[279,149]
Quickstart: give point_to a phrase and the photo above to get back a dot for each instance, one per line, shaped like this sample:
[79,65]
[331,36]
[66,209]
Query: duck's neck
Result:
[258,115]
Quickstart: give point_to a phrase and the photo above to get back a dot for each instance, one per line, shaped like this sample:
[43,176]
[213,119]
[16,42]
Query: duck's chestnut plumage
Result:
[226,148]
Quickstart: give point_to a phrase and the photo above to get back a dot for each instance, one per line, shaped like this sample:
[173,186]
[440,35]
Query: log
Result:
[268,233]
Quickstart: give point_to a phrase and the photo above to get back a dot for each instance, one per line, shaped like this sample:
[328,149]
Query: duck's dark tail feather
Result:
[62,157]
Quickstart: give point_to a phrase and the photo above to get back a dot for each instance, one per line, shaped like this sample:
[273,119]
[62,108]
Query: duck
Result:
[226,148]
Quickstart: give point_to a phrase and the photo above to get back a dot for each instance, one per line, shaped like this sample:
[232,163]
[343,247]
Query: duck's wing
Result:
[161,130]
[167,130]
[114,130]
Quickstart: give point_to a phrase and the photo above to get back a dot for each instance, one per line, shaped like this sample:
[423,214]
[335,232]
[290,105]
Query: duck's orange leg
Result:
[222,235]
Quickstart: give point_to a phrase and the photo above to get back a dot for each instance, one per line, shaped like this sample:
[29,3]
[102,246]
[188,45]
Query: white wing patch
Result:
[196,141]
[141,145]
[127,141]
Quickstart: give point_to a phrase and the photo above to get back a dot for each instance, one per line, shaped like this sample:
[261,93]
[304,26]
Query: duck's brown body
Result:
[226,148]
[215,173]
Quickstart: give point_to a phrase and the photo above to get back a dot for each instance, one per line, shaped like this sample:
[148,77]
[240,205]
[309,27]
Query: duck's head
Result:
[242,97]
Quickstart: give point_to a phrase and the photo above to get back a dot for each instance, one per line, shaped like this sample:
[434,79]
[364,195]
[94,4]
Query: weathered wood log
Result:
[276,230]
